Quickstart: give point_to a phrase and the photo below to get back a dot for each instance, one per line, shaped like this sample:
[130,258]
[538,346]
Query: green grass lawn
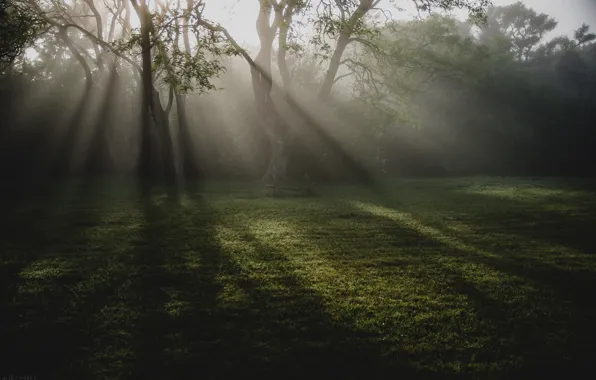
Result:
[476,277]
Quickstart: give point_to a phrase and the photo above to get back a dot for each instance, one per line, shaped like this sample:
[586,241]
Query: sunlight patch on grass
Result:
[511,245]
[527,193]
[458,227]
[252,262]
[507,288]
[309,259]
[409,221]
[231,295]
[354,283]
[115,231]
[176,305]
[414,309]
[96,296]
[192,260]
[47,269]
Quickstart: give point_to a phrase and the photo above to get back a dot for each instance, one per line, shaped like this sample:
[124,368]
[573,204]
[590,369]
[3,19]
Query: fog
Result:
[353,195]
[427,112]
[569,13]
[239,16]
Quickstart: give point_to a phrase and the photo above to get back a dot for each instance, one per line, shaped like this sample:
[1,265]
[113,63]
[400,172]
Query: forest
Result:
[348,189]
[495,94]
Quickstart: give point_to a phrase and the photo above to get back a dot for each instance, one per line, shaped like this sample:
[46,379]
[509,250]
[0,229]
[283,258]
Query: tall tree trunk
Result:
[166,143]
[273,124]
[145,165]
[152,109]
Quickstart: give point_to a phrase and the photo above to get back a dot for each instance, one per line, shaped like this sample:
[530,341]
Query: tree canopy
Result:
[336,87]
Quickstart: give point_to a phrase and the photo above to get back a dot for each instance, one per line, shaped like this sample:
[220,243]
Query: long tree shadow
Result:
[529,338]
[38,226]
[204,315]
[509,234]
[565,218]
[552,330]
[46,264]
[165,296]
[519,231]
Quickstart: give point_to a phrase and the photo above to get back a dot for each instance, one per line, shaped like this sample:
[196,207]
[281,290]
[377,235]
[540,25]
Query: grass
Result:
[476,277]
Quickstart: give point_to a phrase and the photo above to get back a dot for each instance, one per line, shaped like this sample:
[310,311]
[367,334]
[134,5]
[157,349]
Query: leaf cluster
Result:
[186,71]
[19,27]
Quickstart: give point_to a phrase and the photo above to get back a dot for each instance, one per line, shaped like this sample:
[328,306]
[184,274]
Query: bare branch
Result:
[340,77]
[342,11]
[284,27]
[98,20]
[62,32]
[224,31]
[115,16]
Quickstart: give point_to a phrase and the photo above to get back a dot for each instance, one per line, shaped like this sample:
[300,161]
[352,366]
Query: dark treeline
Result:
[535,118]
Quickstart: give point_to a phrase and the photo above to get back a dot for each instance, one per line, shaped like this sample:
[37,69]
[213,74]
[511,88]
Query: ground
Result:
[476,277]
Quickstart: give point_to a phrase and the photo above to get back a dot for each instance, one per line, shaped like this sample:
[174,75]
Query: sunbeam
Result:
[296,189]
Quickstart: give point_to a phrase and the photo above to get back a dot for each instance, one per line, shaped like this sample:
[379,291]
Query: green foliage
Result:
[476,8]
[357,20]
[517,28]
[186,71]
[19,27]
[582,36]
[422,58]
[417,54]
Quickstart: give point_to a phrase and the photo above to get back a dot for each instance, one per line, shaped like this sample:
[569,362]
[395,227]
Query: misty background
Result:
[421,111]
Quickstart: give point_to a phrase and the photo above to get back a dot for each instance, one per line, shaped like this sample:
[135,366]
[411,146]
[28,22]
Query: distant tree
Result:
[517,28]
[581,37]
[572,67]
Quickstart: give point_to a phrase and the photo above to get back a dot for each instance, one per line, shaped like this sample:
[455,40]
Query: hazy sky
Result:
[569,13]
[238,16]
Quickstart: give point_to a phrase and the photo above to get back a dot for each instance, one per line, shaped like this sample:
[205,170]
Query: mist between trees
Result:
[335,90]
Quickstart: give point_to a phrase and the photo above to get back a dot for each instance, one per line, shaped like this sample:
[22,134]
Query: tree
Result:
[517,28]
[571,67]
[344,22]
[101,39]
[183,70]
